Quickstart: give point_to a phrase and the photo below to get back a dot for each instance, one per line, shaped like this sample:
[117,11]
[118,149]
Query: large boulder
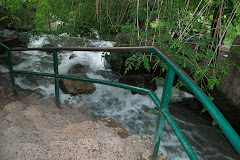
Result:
[230,84]
[110,75]
[16,59]
[48,46]
[75,87]
[78,68]
[13,39]
[9,42]
[24,37]
[139,80]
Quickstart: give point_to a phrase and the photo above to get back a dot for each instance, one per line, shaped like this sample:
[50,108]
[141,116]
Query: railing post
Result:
[11,71]
[164,105]
[55,59]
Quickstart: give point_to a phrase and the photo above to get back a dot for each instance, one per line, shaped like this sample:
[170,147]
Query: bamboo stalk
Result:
[207,5]
[146,29]
[231,18]
[155,30]
[97,3]
[138,20]
[180,37]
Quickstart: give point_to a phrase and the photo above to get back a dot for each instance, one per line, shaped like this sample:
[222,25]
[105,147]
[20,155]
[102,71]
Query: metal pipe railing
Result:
[161,105]
[230,133]
[10,67]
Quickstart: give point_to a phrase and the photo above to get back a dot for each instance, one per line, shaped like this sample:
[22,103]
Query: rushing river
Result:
[129,109]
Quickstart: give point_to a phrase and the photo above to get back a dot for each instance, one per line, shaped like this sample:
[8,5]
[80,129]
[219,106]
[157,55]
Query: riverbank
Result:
[34,128]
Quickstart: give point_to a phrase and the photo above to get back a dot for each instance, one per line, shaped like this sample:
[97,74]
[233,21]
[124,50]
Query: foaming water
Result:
[107,101]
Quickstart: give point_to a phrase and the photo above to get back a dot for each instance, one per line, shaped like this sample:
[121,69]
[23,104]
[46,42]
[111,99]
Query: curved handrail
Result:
[162,105]
[230,133]
[148,92]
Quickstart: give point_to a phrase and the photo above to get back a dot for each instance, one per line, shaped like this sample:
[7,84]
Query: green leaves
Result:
[146,63]
[136,61]
[4,17]
[212,82]
[130,62]
[20,13]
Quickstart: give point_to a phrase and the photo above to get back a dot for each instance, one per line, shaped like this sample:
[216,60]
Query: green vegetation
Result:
[189,31]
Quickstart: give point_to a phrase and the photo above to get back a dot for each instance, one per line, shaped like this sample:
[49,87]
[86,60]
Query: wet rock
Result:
[111,122]
[105,62]
[72,56]
[15,59]
[139,80]
[78,68]
[230,84]
[74,87]
[13,39]
[108,74]
[9,33]
[24,37]
[48,46]
[10,42]
[64,41]
[123,133]
[115,61]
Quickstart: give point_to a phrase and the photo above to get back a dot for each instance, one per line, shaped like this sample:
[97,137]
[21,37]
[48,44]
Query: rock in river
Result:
[139,80]
[75,87]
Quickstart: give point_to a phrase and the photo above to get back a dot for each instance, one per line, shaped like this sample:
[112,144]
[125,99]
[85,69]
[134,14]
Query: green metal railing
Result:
[161,105]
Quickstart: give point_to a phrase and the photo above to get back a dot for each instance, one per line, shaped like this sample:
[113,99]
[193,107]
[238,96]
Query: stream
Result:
[129,109]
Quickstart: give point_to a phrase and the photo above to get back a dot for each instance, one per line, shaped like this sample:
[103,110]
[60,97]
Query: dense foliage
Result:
[189,31]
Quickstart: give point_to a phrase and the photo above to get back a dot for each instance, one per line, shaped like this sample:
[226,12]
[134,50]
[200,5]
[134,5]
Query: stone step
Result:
[35,128]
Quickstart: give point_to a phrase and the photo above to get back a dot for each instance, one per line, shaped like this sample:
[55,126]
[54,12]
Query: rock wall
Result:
[230,84]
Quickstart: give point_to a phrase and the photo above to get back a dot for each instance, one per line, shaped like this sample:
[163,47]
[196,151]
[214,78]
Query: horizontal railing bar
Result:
[230,133]
[106,49]
[115,84]
[4,64]
[110,83]
[179,135]
[34,73]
